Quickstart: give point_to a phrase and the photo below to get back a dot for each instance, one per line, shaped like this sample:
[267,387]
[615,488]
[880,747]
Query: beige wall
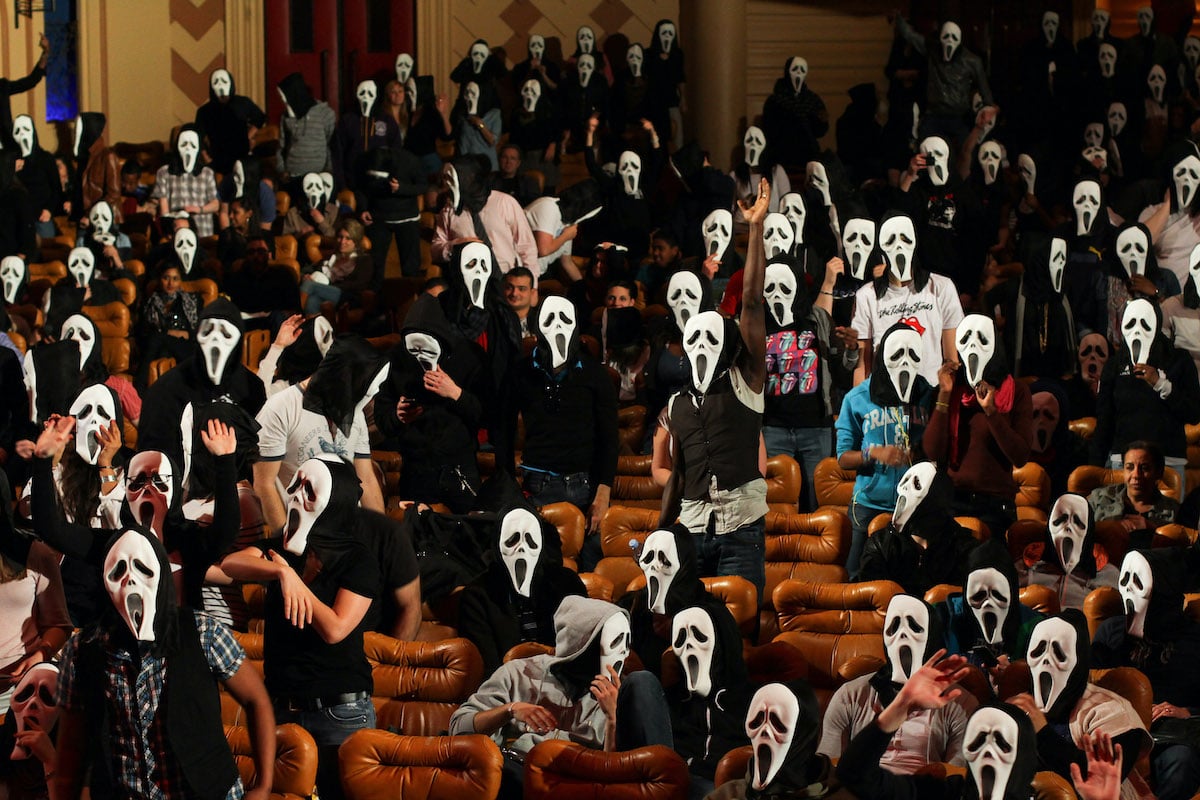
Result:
[18,53]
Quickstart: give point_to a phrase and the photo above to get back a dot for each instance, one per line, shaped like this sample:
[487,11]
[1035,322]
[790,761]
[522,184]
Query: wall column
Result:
[245,55]
[434,55]
[713,33]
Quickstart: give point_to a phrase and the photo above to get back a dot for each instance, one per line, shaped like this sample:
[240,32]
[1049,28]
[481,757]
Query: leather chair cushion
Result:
[295,760]
[566,771]
[447,671]
[377,765]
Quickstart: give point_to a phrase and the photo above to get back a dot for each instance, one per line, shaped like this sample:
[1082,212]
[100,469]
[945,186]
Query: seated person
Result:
[665,260]
[169,321]
[266,293]
[1068,563]
[515,599]
[344,275]
[912,633]
[521,295]
[1057,448]
[511,179]
[1137,502]
[923,545]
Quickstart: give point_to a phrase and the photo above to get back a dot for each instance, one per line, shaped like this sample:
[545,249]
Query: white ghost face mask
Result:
[1139,327]
[188,146]
[323,334]
[1191,52]
[791,205]
[520,547]
[666,36]
[132,574]
[1132,248]
[1145,20]
[75,148]
[797,72]
[471,98]
[1193,269]
[556,322]
[150,489]
[990,749]
[479,55]
[221,83]
[365,93]
[911,492]
[1058,262]
[703,341]
[1086,201]
[93,410]
[905,635]
[239,180]
[1093,135]
[779,292]
[1100,20]
[684,296]
[327,186]
[989,595]
[100,217]
[531,92]
[585,40]
[1052,657]
[585,67]
[694,640]
[287,107]
[898,241]
[1135,584]
[81,263]
[951,40]
[629,170]
[615,640]
[1028,169]
[426,349]
[218,339]
[537,46]
[1106,56]
[902,359]
[991,156]
[778,236]
[1050,27]
[937,159]
[660,564]
[771,722]
[635,58]
[818,179]
[12,276]
[78,328]
[754,142]
[1186,177]
[22,133]
[476,260]
[404,67]
[1068,529]
[976,345]
[1156,80]
[717,230]
[1117,117]
[308,496]
[185,248]
[450,186]
[314,189]
[34,704]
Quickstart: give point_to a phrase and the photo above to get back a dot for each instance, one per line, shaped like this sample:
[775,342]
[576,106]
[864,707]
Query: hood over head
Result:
[896,372]
[668,561]
[137,578]
[296,94]
[1059,657]
[708,644]
[991,593]
[912,633]
[52,378]
[783,723]
[219,334]
[925,496]
[1000,748]
[525,547]
[577,626]
[344,380]
[301,358]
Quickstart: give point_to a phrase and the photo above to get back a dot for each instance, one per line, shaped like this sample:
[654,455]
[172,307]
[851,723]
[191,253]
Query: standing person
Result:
[665,76]
[305,132]
[39,176]
[393,184]
[477,122]
[10,87]
[229,121]
[953,76]
[475,212]
[716,488]
[97,168]
[794,117]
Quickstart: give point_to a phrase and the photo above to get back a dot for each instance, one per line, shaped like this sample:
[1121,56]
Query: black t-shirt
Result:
[793,396]
[391,548]
[298,663]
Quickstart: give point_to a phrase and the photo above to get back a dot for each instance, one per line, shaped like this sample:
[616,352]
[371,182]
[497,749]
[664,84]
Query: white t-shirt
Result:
[291,435]
[544,215]
[935,309]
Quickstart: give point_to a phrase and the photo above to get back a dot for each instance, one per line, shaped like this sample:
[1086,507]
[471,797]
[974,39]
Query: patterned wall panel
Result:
[197,36]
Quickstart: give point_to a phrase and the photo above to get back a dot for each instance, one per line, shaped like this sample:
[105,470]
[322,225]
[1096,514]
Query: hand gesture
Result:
[848,335]
[1026,703]
[985,393]
[393,185]
[1147,373]
[946,375]
[593,123]
[441,384]
[890,455]
[535,718]
[1103,768]
[219,439]
[755,213]
[833,268]
[442,104]
[54,437]
[647,125]
[289,331]
[408,410]
[297,599]
[110,439]
[37,743]
[929,687]
[605,689]
[916,164]
[366,217]
[710,266]
[1143,285]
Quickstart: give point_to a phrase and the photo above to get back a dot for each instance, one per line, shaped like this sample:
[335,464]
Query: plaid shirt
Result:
[133,689]
[188,190]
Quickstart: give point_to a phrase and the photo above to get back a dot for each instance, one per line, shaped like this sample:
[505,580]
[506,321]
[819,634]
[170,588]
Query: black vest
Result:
[193,709]
[718,438]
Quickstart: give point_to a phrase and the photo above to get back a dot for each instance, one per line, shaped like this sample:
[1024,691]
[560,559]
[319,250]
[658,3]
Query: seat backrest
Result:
[571,526]
[1033,491]
[1099,605]
[631,428]
[834,486]
[254,346]
[1052,786]
[527,650]
[286,246]
[557,769]
[1042,599]
[1084,427]
[830,623]
[1083,480]
[295,760]
[283,203]
[126,289]
[633,485]
[783,483]
[378,765]
[807,547]
[732,765]
[1131,684]
[623,531]
[158,368]
[737,593]
[939,593]
[112,321]
[205,287]
[50,271]
[419,684]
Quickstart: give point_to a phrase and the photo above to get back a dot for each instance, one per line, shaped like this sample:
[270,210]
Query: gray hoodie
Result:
[577,623]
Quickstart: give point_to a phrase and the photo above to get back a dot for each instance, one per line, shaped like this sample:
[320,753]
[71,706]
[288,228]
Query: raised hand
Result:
[110,439]
[54,437]
[756,212]
[605,689]
[289,331]
[929,687]
[1103,768]
[220,439]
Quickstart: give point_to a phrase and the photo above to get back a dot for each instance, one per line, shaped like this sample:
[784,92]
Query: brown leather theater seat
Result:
[205,287]
[1083,480]
[834,486]
[1084,427]
[295,760]
[112,321]
[732,765]
[631,428]
[623,531]
[527,650]
[1099,605]
[254,346]
[1033,492]
[378,765]
[737,593]
[571,526]
[560,770]
[784,482]
[419,684]
[633,485]
[158,368]
[805,547]
[1041,599]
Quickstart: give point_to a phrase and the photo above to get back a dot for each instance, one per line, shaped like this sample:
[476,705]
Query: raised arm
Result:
[753,321]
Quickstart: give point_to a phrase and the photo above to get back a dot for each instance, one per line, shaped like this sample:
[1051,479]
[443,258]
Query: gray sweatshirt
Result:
[305,145]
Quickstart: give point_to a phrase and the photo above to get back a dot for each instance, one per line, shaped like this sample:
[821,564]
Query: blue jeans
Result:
[47,229]
[741,552]
[544,488]
[806,445]
[330,727]
[317,294]
[1176,770]
[643,717]
[860,519]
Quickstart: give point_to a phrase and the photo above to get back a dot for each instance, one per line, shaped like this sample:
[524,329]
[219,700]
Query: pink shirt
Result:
[507,228]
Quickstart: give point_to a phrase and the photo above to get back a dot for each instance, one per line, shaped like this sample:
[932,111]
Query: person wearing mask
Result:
[39,175]
[229,122]
[305,133]
[473,211]
[97,167]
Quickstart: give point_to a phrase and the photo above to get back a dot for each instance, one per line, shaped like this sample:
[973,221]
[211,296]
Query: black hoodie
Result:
[297,94]
[1040,339]
[226,123]
[802,766]
[342,380]
[39,176]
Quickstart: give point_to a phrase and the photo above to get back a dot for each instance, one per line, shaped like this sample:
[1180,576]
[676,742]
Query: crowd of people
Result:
[979,282]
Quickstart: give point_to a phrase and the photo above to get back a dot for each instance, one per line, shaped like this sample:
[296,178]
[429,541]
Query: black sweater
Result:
[1128,408]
